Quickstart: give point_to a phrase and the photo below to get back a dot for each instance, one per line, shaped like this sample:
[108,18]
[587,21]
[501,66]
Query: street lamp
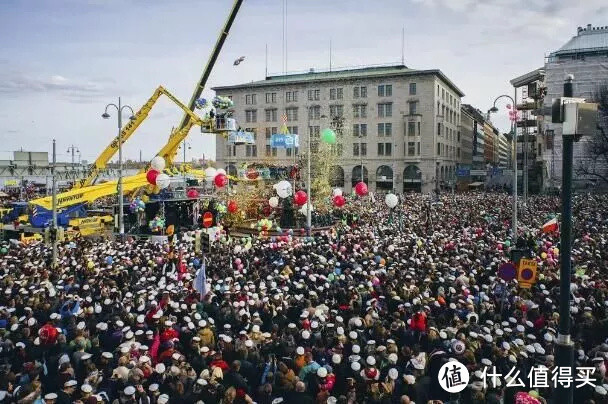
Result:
[494,109]
[186,145]
[106,115]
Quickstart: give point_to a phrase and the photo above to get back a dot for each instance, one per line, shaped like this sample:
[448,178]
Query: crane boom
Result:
[128,130]
[198,90]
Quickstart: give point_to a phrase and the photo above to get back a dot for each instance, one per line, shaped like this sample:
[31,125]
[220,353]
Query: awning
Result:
[475,184]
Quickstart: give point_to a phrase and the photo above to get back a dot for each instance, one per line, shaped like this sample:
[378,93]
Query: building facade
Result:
[586,57]
[401,124]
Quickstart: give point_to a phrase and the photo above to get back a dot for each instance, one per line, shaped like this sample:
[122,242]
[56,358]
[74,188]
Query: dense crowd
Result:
[365,313]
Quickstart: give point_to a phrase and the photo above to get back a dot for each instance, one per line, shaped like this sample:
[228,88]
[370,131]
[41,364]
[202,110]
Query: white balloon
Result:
[304,209]
[163,180]
[237,249]
[210,173]
[273,202]
[337,192]
[220,171]
[391,200]
[283,189]
[158,163]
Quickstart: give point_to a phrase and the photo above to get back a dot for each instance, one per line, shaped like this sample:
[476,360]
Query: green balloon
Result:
[4,250]
[328,136]
[508,243]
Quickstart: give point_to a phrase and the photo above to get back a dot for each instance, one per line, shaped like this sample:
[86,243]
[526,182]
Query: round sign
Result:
[507,271]
[527,274]
[207,219]
[252,173]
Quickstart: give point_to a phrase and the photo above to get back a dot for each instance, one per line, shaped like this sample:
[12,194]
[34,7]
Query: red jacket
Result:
[418,322]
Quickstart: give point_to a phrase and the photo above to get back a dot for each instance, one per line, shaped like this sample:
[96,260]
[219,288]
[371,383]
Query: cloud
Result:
[73,90]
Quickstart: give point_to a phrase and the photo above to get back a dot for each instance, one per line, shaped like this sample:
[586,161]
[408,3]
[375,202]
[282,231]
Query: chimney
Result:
[588,27]
[579,29]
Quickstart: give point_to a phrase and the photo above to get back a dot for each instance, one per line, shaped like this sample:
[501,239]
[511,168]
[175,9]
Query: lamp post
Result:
[72,149]
[106,115]
[186,145]
[514,131]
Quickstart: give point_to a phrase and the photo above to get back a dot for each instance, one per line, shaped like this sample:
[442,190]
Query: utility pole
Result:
[54,207]
[564,350]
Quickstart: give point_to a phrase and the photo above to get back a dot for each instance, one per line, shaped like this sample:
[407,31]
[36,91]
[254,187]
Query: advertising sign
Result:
[284,141]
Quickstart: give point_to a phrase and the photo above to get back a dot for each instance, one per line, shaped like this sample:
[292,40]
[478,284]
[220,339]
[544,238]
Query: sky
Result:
[62,61]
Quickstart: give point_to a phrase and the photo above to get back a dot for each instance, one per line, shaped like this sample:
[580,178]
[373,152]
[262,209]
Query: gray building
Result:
[586,57]
[401,123]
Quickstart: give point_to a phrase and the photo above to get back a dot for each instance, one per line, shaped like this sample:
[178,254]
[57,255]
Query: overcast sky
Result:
[62,61]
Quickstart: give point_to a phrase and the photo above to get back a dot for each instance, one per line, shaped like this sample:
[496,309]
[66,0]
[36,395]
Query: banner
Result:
[284,141]
[11,183]
[241,138]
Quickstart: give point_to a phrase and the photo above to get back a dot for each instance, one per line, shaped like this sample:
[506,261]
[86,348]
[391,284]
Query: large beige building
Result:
[401,124]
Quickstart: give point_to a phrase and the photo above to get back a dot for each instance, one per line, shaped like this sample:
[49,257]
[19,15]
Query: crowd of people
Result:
[367,312]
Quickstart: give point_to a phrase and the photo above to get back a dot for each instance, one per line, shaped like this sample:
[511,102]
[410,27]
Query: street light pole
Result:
[564,348]
[54,207]
[514,132]
[105,115]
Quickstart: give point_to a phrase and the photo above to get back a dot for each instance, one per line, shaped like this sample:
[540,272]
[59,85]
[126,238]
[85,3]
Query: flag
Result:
[200,283]
[550,226]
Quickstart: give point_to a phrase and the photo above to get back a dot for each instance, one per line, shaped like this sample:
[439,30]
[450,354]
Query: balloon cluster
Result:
[337,198]
[154,175]
[220,102]
[232,206]
[264,224]
[137,205]
[200,103]
[157,224]
[221,208]
[304,209]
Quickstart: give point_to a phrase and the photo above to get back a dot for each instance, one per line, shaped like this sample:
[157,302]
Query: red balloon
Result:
[192,193]
[232,206]
[300,198]
[361,188]
[339,201]
[252,173]
[151,176]
[221,180]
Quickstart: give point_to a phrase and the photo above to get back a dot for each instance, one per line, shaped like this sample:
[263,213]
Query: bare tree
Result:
[595,165]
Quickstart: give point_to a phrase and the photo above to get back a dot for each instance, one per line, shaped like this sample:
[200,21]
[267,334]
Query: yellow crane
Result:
[105,156]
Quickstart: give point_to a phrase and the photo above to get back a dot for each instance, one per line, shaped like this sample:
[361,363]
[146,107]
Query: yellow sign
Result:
[527,273]
[11,183]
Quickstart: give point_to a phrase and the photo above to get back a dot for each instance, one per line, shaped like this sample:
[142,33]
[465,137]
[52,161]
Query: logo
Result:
[453,377]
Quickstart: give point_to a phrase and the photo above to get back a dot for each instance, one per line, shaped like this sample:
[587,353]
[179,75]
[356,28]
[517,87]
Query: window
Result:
[270,132]
[437,90]
[314,131]
[274,152]
[251,150]
[314,112]
[360,111]
[443,94]
[356,92]
[439,129]
[418,128]
[363,92]
[250,99]
[271,115]
[418,148]
[412,88]
[540,149]
[413,107]
[360,130]
[385,129]
[439,149]
[251,116]
[271,98]
[458,136]
[385,109]
[458,152]
[385,149]
[314,95]
[359,149]
[291,96]
[229,150]
[336,93]
[314,147]
[411,148]
[385,90]
[336,111]
[292,114]
[411,128]
[268,151]
[293,130]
